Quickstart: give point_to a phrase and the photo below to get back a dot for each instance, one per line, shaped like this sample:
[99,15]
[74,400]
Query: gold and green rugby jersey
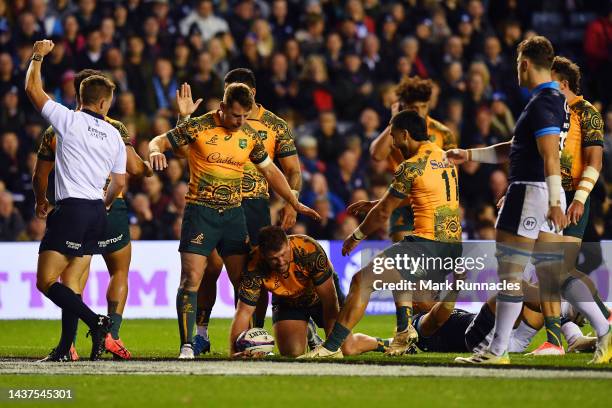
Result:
[309,267]
[586,129]
[278,141]
[48,143]
[217,157]
[432,186]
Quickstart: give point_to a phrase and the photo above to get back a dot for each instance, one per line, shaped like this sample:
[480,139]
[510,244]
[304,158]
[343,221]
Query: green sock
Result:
[116,325]
[382,345]
[602,306]
[403,315]
[553,330]
[337,336]
[186,304]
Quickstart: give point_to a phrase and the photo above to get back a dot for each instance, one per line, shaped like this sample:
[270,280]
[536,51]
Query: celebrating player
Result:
[535,178]
[88,150]
[116,246]
[220,143]
[278,141]
[581,160]
[431,185]
[300,276]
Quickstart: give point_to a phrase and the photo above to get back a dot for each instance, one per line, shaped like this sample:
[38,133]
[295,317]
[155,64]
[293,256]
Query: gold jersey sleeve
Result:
[278,141]
[586,130]
[432,186]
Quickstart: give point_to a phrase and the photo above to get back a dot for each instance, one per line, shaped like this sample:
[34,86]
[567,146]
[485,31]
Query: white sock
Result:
[571,331]
[508,310]
[581,298]
[202,331]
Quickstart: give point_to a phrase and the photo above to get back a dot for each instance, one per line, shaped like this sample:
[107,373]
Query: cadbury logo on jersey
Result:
[437,164]
[217,157]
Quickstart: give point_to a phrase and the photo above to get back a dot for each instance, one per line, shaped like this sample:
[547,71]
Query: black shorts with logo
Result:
[74,227]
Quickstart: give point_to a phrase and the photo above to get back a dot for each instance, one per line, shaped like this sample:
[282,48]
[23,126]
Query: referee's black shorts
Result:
[74,227]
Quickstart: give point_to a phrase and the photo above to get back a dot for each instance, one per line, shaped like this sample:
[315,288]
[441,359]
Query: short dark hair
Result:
[271,239]
[240,75]
[80,76]
[538,50]
[411,121]
[94,88]
[414,89]
[568,71]
[238,92]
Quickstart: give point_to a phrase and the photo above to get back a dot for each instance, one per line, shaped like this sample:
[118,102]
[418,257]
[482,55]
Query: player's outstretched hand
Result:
[574,212]
[309,212]
[184,100]
[500,202]
[43,47]
[456,156]
[158,161]
[148,169]
[42,209]
[361,207]
[556,219]
[348,245]
[288,217]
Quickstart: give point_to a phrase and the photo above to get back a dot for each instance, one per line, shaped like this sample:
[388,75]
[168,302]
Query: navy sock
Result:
[70,323]
[337,336]
[66,299]
[116,324]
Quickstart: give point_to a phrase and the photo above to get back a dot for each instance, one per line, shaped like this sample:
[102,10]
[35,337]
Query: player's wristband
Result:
[587,182]
[554,190]
[483,155]
[358,235]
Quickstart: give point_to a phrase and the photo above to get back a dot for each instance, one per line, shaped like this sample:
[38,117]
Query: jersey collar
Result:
[574,101]
[260,112]
[94,114]
[544,85]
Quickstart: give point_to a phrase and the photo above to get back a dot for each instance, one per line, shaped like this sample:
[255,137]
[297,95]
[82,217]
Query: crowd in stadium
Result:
[328,67]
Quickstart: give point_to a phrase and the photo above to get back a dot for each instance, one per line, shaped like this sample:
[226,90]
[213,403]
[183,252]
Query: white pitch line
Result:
[251,368]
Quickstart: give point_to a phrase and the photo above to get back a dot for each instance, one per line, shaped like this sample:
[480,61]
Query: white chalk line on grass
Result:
[246,368]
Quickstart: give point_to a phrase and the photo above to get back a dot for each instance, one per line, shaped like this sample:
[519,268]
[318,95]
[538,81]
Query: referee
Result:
[88,149]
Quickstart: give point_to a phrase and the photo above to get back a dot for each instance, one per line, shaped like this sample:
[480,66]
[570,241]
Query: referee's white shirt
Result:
[88,150]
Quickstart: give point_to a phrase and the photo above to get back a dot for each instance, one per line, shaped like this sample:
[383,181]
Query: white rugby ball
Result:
[255,340]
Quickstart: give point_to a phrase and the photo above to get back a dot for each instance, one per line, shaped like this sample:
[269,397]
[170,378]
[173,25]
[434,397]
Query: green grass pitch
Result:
[159,339]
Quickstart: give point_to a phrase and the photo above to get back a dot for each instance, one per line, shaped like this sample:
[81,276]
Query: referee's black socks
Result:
[66,299]
[70,324]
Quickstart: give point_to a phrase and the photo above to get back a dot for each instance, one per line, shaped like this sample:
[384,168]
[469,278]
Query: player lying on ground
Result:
[300,276]
[432,186]
[444,328]
[220,144]
[116,244]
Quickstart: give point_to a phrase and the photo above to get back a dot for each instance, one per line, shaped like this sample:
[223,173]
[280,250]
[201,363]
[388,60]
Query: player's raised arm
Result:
[380,148]
[33,86]
[492,154]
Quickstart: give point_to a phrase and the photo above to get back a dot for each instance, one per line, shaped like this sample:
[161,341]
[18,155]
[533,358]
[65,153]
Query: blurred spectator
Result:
[502,121]
[157,201]
[309,157]
[323,229]
[34,231]
[91,56]
[315,93]
[329,139]
[149,226]
[126,104]
[164,87]
[11,223]
[205,83]
[354,87]
[203,18]
[12,119]
[345,176]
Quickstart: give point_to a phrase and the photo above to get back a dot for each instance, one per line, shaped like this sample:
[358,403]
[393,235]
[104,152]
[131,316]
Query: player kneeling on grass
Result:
[300,276]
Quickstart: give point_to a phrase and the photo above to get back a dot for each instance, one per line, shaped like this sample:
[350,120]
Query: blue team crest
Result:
[242,143]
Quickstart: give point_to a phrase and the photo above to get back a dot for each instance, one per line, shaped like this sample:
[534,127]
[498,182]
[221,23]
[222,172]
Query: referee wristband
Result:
[358,235]
[554,190]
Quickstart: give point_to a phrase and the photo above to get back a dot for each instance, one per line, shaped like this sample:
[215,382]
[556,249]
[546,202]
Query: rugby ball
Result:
[255,340]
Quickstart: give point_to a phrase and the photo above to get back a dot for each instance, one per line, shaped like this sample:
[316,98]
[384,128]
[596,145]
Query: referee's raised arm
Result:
[33,85]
